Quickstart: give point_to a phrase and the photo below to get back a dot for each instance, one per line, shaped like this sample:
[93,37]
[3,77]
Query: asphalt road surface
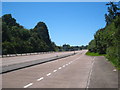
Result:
[77,71]
[21,59]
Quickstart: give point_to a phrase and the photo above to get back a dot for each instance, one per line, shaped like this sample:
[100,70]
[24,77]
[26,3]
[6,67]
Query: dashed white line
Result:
[71,61]
[63,65]
[74,60]
[40,78]
[77,58]
[48,74]
[59,67]
[114,70]
[28,85]
[55,71]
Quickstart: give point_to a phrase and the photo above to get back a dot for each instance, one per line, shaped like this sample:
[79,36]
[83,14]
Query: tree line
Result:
[107,40]
[17,39]
[67,47]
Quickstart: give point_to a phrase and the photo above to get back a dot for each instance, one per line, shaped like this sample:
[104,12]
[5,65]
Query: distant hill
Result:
[17,39]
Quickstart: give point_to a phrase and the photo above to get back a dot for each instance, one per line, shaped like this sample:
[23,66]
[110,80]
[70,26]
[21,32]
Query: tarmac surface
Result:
[21,59]
[77,71]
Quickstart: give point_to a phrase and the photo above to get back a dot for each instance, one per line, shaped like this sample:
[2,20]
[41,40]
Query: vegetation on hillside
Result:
[67,47]
[107,40]
[17,39]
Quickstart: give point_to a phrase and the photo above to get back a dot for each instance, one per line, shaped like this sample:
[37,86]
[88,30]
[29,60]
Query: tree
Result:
[17,39]
[107,40]
[113,11]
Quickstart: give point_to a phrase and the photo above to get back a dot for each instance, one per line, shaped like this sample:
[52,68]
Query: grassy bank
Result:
[115,64]
[111,61]
[94,54]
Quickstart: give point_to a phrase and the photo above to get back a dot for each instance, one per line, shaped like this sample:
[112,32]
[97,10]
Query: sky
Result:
[73,23]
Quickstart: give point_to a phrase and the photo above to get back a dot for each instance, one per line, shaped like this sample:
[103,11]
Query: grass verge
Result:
[115,65]
[97,54]
[94,54]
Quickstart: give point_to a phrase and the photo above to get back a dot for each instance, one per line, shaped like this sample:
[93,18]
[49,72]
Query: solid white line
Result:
[59,68]
[48,74]
[54,70]
[28,85]
[90,73]
[40,78]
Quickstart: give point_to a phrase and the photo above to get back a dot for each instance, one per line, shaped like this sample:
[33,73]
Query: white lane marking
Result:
[90,73]
[48,74]
[40,78]
[77,58]
[59,67]
[28,85]
[71,61]
[63,65]
[114,70]
[55,71]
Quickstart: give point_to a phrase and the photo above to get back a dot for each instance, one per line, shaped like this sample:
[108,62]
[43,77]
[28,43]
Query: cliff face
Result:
[17,39]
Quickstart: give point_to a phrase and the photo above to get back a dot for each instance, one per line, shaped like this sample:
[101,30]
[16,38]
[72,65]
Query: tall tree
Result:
[17,39]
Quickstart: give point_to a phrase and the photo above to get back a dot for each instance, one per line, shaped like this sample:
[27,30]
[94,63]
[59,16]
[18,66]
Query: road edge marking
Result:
[90,73]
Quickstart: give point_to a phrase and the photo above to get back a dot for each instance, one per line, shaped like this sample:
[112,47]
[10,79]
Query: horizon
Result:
[68,22]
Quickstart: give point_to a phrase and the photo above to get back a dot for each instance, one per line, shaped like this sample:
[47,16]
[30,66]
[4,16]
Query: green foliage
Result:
[107,40]
[17,39]
[94,54]
[92,46]
[113,11]
[111,54]
[67,47]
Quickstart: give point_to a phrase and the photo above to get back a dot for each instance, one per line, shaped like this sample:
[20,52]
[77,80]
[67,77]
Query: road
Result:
[21,59]
[77,71]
